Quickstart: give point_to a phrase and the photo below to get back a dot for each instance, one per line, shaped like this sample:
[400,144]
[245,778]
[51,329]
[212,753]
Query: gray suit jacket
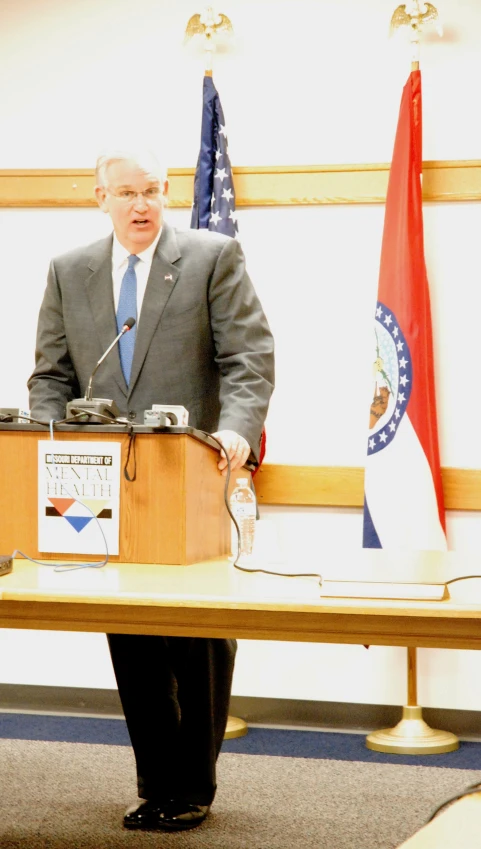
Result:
[202,338]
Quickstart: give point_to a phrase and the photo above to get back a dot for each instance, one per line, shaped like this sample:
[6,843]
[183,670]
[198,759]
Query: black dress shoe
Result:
[182,815]
[147,815]
[152,815]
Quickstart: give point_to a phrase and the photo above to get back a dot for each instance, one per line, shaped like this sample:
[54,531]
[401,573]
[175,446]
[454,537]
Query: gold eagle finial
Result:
[208,23]
[415,13]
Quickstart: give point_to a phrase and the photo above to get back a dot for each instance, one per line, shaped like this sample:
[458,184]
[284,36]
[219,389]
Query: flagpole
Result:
[209,26]
[412,735]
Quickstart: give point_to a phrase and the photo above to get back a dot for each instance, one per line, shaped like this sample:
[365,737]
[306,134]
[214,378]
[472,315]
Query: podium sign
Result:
[78,497]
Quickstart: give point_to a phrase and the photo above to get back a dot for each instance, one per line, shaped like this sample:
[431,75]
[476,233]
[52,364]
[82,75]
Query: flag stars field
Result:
[214,190]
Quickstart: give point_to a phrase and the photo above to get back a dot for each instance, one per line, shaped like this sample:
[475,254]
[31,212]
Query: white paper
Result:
[78,497]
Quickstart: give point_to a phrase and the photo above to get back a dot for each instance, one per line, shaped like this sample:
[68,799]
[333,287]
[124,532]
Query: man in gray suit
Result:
[201,341]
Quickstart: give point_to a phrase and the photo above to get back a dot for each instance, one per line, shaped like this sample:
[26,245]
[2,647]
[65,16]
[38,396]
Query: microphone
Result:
[97,409]
[127,326]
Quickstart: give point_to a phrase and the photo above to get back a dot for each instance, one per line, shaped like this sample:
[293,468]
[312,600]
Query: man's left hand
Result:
[237,448]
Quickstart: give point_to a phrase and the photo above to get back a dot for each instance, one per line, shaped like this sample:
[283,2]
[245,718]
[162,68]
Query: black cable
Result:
[70,420]
[9,419]
[132,436]
[83,412]
[470,791]
[65,567]
[236,559]
[125,423]
[461,578]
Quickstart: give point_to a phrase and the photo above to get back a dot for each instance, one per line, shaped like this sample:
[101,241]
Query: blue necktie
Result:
[127,308]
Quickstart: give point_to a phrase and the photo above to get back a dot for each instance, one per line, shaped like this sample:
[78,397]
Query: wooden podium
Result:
[172,513]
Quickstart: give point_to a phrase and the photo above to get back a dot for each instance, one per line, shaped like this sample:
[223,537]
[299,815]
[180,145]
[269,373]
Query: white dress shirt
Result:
[120,261]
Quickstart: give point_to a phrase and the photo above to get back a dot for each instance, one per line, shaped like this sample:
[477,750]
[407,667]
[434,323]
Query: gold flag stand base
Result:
[235,728]
[412,736]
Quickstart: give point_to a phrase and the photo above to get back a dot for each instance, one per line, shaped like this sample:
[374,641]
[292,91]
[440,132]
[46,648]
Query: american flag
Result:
[214,198]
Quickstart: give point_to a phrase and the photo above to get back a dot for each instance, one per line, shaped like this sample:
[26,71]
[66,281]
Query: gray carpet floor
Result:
[73,796]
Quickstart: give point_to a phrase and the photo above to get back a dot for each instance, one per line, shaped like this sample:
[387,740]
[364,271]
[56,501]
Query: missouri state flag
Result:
[403,496]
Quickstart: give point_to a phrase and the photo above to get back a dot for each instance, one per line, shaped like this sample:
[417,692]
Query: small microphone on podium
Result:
[96,410]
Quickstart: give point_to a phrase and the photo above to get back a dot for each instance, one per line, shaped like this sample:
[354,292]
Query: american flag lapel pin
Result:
[168,277]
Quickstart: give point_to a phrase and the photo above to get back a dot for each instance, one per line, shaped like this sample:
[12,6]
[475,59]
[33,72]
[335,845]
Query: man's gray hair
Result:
[145,159]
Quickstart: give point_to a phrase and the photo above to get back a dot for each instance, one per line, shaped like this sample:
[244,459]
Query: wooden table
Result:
[214,599]
[458,827]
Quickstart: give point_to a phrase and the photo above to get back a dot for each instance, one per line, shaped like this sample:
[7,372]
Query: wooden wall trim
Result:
[296,185]
[343,486]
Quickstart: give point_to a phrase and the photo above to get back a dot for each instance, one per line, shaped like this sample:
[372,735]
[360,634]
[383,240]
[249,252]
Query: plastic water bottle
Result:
[243,506]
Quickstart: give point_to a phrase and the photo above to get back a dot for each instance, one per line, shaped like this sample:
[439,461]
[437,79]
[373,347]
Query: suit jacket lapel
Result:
[162,279]
[100,294]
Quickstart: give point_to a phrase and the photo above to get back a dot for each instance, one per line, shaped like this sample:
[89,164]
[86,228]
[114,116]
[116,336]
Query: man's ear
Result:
[165,192]
[101,197]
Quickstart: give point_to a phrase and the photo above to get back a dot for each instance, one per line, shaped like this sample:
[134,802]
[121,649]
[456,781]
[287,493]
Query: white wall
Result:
[303,82]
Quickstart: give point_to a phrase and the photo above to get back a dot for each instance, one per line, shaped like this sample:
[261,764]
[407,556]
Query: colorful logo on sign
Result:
[79,513]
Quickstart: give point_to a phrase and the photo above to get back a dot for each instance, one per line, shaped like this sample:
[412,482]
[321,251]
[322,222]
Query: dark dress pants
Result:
[175,695]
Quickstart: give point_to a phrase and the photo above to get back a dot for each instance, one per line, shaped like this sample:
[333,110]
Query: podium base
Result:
[412,736]
[235,728]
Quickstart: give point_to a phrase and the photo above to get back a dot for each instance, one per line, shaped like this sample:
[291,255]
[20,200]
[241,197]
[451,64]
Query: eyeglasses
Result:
[153,193]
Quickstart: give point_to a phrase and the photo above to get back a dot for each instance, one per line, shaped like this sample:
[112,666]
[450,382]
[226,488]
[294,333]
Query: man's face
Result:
[137,217]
